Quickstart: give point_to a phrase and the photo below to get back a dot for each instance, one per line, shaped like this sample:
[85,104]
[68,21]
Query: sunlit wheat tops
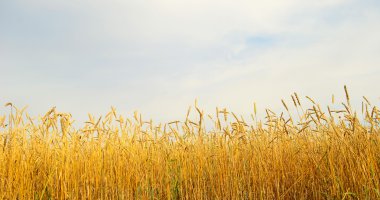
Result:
[321,154]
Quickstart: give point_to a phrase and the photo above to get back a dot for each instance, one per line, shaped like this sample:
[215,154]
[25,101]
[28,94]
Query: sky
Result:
[158,56]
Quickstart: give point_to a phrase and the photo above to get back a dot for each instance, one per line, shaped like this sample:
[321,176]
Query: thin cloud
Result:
[158,57]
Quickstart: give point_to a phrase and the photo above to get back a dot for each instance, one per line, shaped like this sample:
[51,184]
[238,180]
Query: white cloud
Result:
[158,56]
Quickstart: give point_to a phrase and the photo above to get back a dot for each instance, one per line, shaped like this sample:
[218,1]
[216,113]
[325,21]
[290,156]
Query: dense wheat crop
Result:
[319,154]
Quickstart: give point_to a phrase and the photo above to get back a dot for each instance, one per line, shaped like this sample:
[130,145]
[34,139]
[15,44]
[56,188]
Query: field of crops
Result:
[317,153]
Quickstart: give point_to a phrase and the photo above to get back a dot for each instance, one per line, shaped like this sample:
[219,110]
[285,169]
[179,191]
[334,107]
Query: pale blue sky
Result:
[158,56]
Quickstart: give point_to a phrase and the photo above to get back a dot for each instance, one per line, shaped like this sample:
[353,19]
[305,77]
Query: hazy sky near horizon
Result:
[157,56]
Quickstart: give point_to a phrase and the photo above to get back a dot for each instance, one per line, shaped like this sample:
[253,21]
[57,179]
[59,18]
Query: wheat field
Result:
[313,154]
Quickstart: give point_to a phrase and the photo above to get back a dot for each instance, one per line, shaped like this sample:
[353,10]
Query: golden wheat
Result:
[318,156]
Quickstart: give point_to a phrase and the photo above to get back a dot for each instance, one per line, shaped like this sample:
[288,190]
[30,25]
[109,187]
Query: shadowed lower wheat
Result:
[318,155]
